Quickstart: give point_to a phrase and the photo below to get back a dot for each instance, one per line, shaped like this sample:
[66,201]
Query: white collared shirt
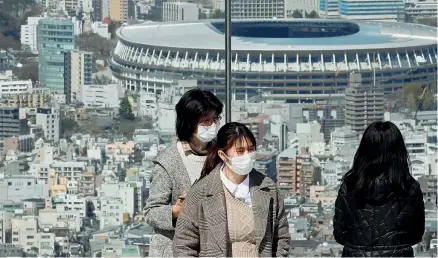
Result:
[239,191]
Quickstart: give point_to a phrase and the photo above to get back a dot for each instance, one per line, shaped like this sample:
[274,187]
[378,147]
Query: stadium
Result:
[298,60]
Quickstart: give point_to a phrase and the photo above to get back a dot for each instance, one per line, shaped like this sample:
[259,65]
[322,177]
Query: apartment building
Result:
[126,191]
[329,8]
[48,118]
[121,10]
[342,138]
[306,171]
[22,143]
[421,8]
[87,185]
[32,98]
[102,96]
[5,61]
[391,10]
[10,85]
[111,212]
[18,188]
[363,104]
[10,123]
[25,232]
[180,11]
[287,179]
[261,9]
[428,186]
[300,5]
[67,202]
[54,218]
[5,226]
[29,34]
[71,170]
[78,72]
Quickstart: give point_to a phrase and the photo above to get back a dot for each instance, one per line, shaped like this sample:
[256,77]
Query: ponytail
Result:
[211,161]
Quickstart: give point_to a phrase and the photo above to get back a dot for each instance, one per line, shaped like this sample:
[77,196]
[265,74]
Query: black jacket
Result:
[379,224]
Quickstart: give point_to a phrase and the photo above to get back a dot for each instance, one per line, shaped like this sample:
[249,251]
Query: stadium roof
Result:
[206,34]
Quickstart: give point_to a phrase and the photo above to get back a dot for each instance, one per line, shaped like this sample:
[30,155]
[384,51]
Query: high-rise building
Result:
[329,8]
[105,9]
[268,9]
[180,11]
[363,104]
[287,171]
[55,37]
[5,61]
[78,72]
[372,9]
[121,10]
[48,118]
[306,171]
[97,10]
[10,123]
[29,34]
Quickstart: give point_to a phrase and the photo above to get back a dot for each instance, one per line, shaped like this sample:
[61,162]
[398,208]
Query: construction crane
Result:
[420,104]
[327,102]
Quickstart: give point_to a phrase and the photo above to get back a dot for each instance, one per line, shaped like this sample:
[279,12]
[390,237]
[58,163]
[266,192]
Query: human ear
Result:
[222,156]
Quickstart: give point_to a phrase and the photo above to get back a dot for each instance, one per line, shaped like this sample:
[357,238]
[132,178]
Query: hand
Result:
[183,196]
[176,208]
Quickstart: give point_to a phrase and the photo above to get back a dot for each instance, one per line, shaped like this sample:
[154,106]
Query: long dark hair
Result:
[382,158]
[229,135]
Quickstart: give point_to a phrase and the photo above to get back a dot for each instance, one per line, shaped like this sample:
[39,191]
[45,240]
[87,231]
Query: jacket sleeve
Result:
[186,241]
[339,224]
[416,208]
[282,239]
[158,209]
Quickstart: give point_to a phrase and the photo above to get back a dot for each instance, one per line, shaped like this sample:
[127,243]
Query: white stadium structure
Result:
[290,60]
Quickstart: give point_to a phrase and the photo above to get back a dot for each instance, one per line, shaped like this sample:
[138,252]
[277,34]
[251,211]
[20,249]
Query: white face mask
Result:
[242,165]
[206,133]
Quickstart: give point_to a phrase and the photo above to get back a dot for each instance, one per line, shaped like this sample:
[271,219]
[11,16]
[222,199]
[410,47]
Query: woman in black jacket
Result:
[379,208]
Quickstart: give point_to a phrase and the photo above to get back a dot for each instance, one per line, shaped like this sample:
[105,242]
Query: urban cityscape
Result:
[88,90]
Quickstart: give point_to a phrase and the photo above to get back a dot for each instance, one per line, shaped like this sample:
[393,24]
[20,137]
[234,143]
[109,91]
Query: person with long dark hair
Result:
[233,211]
[379,208]
[179,165]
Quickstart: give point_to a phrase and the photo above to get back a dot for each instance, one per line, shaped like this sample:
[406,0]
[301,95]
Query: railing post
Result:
[228,61]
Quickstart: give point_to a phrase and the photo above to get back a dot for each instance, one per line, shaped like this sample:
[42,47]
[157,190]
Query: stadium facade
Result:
[293,60]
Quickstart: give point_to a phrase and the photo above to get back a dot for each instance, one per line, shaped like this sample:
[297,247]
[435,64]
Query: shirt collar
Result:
[238,190]
[189,149]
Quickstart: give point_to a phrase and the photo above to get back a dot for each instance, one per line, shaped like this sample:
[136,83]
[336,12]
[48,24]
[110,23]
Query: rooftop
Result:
[281,35]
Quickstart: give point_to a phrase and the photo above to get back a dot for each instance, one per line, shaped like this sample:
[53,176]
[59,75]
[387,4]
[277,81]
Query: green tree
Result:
[125,109]
[312,15]
[411,102]
[411,95]
[429,102]
[412,88]
[297,14]
[217,14]
[68,126]
[201,15]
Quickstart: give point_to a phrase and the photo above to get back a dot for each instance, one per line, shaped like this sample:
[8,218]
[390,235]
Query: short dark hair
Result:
[382,155]
[193,105]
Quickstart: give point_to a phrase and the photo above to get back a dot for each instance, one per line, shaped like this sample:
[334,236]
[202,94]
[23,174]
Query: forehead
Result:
[242,143]
[210,115]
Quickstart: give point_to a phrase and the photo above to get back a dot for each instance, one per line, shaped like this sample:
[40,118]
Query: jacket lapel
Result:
[261,202]
[215,210]
[171,160]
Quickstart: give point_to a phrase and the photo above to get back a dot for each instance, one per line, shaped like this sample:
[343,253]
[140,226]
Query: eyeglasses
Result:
[209,121]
